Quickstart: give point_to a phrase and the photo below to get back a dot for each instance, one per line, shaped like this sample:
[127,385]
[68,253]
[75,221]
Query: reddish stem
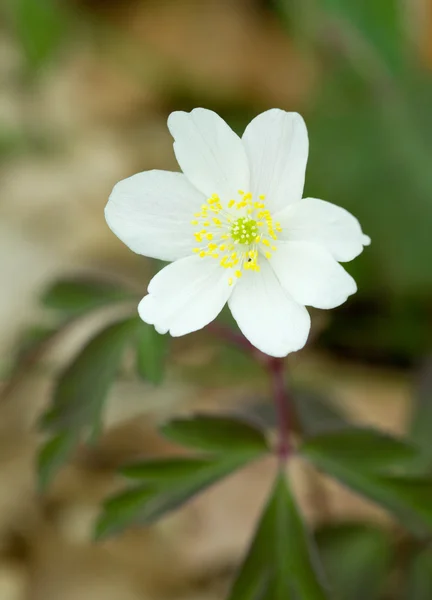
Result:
[281,399]
[275,368]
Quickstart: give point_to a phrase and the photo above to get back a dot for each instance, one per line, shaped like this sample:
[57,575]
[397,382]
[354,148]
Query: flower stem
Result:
[276,371]
[281,399]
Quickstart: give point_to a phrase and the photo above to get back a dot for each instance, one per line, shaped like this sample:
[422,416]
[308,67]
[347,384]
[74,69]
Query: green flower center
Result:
[244,230]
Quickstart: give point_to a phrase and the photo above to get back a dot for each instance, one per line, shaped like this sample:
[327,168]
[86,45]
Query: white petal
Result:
[311,275]
[151,213]
[209,153]
[323,223]
[267,315]
[186,295]
[277,146]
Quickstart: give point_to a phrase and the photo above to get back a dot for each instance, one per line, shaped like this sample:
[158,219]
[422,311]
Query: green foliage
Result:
[80,393]
[356,558]
[368,449]
[419,581]
[152,351]
[380,468]
[82,387]
[216,434]
[78,296]
[39,26]
[167,484]
[53,454]
[282,562]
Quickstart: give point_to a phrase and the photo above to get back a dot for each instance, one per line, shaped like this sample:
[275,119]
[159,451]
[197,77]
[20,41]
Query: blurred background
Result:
[85,90]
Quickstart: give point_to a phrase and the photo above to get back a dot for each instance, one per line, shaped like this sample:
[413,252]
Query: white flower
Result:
[236,229]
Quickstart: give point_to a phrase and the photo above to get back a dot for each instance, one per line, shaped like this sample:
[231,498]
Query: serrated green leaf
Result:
[39,26]
[152,350]
[356,558]
[281,559]
[166,469]
[408,496]
[165,495]
[80,295]
[366,449]
[218,434]
[419,580]
[53,454]
[81,389]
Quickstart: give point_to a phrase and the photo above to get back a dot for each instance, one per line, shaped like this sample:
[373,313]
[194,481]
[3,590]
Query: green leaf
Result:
[121,510]
[53,454]
[351,461]
[367,449]
[419,581]
[165,493]
[216,434]
[356,558]
[81,389]
[298,548]
[40,27]
[80,295]
[152,350]
[282,562]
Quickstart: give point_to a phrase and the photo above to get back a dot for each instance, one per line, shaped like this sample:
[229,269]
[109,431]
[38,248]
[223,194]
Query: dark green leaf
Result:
[164,495]
[152,349]
[356,558]
[121,510]
[166,469]
[408,496]
[419,583]
[80,296]
[296,547]
[40,27]
[366,449]
[254,575]
[82,387]
[216,434]
[282,558]
[53,454]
